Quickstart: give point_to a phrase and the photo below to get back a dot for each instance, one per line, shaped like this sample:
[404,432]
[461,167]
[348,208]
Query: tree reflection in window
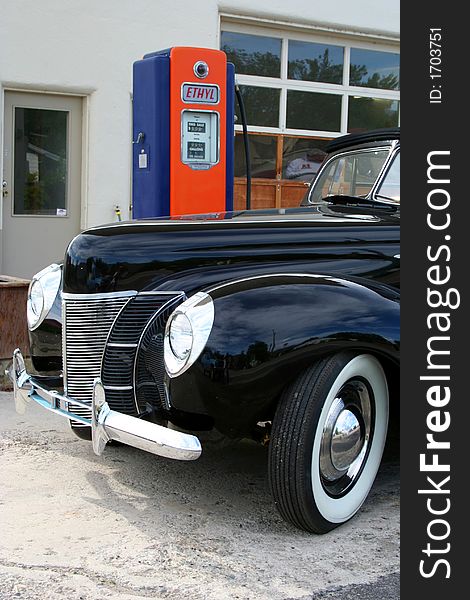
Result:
[315,62]
[252,54]
[371,113]
[370,68]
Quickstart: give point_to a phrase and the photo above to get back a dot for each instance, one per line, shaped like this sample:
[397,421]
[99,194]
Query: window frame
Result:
[395,152]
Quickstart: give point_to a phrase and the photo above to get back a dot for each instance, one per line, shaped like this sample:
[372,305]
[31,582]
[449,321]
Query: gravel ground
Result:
[129,525]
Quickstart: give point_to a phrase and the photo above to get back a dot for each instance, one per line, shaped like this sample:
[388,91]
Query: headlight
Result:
[187,332]
[42,293]
[35,300]
[181,336]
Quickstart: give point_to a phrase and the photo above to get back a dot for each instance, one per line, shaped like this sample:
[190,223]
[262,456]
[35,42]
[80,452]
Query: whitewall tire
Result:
[328,437]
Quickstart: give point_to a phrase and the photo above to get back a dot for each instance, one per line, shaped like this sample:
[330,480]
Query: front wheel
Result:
[327,441]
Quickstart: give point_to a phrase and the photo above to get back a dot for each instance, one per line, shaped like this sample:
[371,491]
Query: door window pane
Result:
[40,162]
[252,54]
[315,62]
[371,113]
[263,149]
[370,68]
[261,106]
[309,110]
[390,186]
[302,157]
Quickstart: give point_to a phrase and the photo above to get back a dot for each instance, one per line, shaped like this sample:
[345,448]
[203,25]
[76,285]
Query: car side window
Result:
[352,174]
[390,186]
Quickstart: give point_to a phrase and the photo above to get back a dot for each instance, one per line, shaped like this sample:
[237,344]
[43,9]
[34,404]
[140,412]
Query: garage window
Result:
[299,92]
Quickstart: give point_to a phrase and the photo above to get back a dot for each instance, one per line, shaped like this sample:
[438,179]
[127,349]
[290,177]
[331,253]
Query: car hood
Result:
[161,253]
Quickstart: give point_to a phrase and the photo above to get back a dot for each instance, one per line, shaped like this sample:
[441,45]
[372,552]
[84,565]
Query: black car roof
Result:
[353,139]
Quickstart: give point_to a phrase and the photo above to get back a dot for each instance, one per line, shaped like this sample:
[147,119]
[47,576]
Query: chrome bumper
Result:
[106,424]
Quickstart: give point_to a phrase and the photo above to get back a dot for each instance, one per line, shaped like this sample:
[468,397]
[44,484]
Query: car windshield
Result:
[351,174]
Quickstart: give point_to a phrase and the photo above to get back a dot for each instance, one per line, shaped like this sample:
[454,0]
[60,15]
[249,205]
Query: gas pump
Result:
[183,132]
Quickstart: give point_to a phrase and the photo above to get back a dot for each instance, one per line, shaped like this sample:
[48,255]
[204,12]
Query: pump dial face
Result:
[200,138]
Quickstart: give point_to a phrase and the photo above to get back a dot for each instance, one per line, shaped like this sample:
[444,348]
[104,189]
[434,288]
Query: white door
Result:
[41,180]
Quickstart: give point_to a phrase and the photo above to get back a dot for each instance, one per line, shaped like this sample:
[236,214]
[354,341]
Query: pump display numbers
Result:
[196,150]
[200,138]
[195,127]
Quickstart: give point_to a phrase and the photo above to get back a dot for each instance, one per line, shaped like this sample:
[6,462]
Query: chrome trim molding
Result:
[162,293]
[103,296]
[120,345]
[118,388]
[269,275]
[106,424]
[219,223]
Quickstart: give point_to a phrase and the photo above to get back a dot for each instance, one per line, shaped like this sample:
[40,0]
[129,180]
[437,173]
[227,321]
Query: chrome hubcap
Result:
[346,441]
[346,437]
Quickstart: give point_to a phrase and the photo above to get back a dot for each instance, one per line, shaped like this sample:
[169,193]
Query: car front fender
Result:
[268,328]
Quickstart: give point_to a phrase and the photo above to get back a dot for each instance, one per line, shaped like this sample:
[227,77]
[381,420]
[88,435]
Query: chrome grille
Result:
[129,350]
[87,323]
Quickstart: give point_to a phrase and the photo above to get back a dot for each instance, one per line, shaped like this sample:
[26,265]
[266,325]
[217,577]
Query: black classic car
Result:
[277,325]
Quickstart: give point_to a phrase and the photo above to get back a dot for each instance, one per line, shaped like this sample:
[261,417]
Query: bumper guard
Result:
[106,424]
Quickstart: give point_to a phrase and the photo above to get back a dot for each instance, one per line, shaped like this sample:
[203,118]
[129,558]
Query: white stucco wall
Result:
[88,47]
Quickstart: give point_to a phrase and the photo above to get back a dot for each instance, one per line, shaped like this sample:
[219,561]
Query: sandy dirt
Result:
[129,525]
